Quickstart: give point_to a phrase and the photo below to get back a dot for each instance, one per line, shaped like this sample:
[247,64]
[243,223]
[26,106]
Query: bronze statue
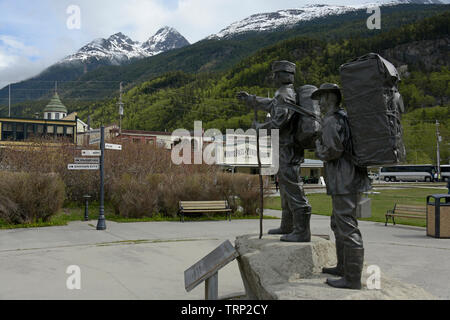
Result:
[344,182]
[296,210]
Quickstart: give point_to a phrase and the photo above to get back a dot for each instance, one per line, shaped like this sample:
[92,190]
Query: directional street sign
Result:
[111,146]
[87,160]
[93,131]
[91,153]
[83,166]
[94,140]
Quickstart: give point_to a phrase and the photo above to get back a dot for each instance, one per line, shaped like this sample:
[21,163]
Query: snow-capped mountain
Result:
[119,48]
[165,39]
[290,17]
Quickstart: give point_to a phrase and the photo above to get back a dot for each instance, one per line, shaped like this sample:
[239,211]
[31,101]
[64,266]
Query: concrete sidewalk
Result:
[147,260]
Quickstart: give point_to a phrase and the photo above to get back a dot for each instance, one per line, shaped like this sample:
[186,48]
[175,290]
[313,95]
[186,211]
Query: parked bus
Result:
[408,173]
[445,172]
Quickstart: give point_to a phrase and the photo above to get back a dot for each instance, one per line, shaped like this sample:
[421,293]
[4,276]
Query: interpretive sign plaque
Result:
[208,267]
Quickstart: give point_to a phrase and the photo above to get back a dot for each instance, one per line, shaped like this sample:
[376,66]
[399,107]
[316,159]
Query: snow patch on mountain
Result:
[290,17]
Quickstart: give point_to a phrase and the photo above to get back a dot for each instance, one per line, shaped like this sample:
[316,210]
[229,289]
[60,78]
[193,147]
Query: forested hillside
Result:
[204,56]
[177,98]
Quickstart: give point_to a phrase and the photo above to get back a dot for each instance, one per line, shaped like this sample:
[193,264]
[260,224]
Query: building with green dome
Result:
[55,109]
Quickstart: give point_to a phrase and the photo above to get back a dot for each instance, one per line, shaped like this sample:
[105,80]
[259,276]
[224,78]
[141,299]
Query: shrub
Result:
[140,180]
[30,197]
[135,197]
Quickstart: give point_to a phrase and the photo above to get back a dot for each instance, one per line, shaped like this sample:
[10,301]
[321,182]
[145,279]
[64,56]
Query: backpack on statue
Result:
[374,107]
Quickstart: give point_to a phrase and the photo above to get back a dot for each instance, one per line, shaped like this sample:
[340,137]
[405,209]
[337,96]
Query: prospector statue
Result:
[345,182]
[296,210]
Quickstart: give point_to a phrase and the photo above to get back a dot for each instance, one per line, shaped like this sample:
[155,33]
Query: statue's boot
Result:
[301,232]
[353,265]
[286,224]
[339,269]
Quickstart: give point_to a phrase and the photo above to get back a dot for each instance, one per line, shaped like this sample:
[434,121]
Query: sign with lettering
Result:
[111,146]
[87,160]
[83,167]
[94,140]
[209,265]
[91,153]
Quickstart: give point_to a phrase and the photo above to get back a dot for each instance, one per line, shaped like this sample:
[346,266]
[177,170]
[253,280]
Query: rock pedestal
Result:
[275,270]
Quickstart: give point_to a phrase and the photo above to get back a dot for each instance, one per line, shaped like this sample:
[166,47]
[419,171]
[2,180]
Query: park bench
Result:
[187,207]
[406,211]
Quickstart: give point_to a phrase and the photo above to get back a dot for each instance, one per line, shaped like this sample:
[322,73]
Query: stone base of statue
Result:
[274,270]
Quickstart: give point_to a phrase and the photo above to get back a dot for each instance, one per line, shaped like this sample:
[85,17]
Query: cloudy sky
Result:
[34,34]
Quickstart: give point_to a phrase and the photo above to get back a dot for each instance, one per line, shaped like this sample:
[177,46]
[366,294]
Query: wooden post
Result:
[261,187]
[212,287]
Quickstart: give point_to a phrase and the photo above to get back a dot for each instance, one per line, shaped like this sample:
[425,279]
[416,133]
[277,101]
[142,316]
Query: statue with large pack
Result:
[374,107]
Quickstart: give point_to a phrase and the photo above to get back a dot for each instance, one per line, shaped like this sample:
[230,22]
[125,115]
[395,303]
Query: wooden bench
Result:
[406,211]
[203,207]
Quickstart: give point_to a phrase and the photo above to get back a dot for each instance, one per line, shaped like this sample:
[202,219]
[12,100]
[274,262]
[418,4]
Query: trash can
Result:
[438,216]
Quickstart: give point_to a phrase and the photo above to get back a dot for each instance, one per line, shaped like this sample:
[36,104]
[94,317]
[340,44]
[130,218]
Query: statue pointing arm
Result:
[254,101]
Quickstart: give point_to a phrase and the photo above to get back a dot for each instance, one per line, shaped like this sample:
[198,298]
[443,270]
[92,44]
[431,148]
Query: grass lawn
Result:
[321,203]
[75,212]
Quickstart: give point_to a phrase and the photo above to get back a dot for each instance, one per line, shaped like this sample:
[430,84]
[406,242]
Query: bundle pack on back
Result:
[308,126]
[374,108]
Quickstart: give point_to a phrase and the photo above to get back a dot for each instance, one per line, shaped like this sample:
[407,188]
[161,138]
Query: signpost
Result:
[111,146]
[91,153]
[207,270]
[83,166]
[101,223]
[87,160]
[94,140]
[97,163]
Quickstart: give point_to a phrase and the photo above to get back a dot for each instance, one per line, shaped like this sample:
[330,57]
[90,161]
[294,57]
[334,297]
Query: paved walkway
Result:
[147,260]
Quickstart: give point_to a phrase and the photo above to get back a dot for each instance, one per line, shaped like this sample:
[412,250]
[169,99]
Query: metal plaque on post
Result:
[87,160]
[94,140]
[83,166]
[111,146]
[91,153]
[207,269]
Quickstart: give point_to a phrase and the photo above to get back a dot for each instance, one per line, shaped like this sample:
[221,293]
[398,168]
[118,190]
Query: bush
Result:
[133,197]
[246,188]
[140,180]
[189,186]
[30,197]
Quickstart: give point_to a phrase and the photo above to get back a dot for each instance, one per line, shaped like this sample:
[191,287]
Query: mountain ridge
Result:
[288,18]
[206,56]
[119,48]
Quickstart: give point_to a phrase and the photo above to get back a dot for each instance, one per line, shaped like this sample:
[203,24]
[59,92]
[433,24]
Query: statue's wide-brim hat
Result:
[326,87]
[283,65]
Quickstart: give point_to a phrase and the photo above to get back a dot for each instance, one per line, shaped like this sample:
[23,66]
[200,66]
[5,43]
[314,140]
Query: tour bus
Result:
[422,172]
[445,172]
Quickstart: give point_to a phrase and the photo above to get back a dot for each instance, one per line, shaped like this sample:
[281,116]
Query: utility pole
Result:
[120,108]
[438,140]
[9,101]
